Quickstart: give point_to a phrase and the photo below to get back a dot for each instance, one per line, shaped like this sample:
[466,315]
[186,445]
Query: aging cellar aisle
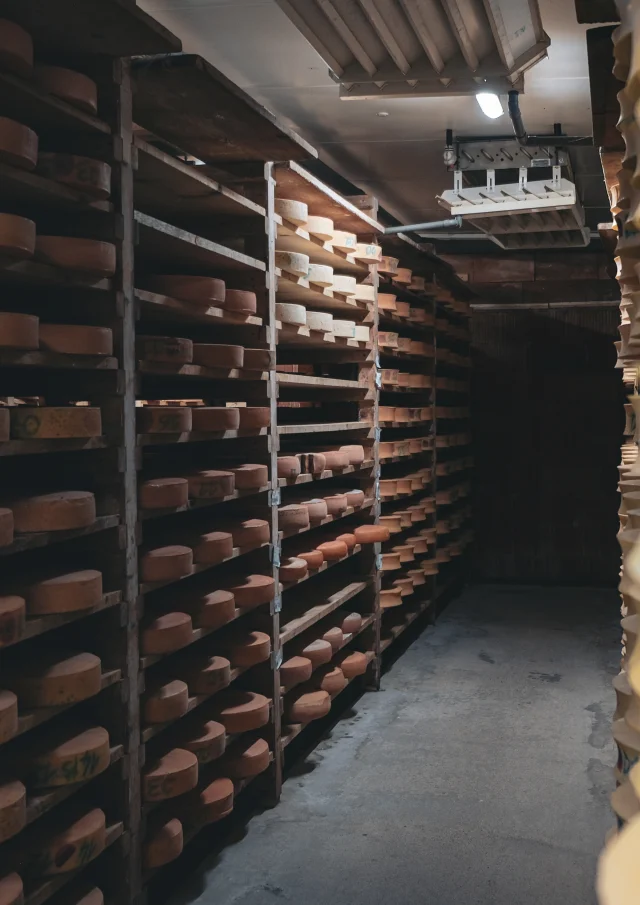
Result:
[483,770]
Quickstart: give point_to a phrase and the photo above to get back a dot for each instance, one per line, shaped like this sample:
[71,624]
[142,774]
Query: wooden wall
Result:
[547,425]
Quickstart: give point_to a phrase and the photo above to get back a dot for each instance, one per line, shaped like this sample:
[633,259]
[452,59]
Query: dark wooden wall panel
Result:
[547,427]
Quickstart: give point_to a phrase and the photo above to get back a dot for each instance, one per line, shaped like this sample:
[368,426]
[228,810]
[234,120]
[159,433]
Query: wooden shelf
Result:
[298,289]
[318,383]
[23,101]
[146,587]
[18,359]
[33,273]
[300,624]
[329,427]
[156,369]
[194,505]
[40,447]
[22,542]
[38,625]
[295,238]
[33,189]
[284,535]
[164,308]
[198,437]
[325,475]
[289,335]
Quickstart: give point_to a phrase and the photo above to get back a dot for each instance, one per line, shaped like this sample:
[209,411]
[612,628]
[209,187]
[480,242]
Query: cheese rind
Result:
[240,301]
[250,477]
[330,679]
[318,651]
[220,356]
[345,329]
[55,423]
[5,427]
[345,285]
[321,274]
[207,291]
[241,711]
[12,619]
[252,590]
[11,890]
[213,547]
[348,539]
[211,484]
[210,804]
[166,633]
[333,550]
[76,339]
[209,419]
[257,360]
[205,675]
[84,256]
[390,597]
[307,706]
[16,49]
[172,774]
[288,466]
[365,293]
[18,331]
[163,493]
[73,87]
[75,846]
[250,532]
[321,227]
[248,648]
[352,663]
[246,758]
[345,241]
[65,593]
[73,757]
[371,534]
[313,558]
[295,315]
[368,252]
[163,843]
[167,701]
[293,262]
[8,715]
[336,503]
[166,563]
[92,178]
[254,418]
[62,511]
[164,349]
[56,679]
[17,237]
[355,498]
[321,321]
[206,739]
[293,569]
[13,808]
[164,419]
[295,211]
[295,670]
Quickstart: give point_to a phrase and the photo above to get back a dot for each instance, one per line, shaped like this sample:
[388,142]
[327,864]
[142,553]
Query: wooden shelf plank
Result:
[328,520]
[300,624]
[18,359]
[328,428]
[147,587]
[38,625]
[295,238]
[318,383]
[34,189]
[170,370]
[33,273]
[198,437]
[40,447]
[163,307]
[23,101]
[297,289]
[193,505]
[325,475]
[34,541]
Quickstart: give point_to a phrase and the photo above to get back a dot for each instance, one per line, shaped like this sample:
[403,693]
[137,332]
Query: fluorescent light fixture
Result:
[490,104]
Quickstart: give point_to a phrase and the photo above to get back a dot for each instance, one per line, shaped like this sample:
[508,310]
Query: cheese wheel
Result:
[405,552]
[213,547]
[294,211]
[388,488]
[254,418]
[405,585]
[349,623]
[386,301]
[17,237]
[206,739]
[330,679]
[250,477]
[417,544]
[365,293]
[61,511]
[390,597]
[209,419]
[366,251]
[386,413]
[389,340]
[294,671]
[166,563]
[317,510]
[390,562]
[403,275]
[321,274]
[57,678]
[207,291]
[388,265]
[292,569]
[402,309]
[406,519]
[352,663]
[318,651]
[18,331]
[166,633]
[248,648]
[53,423]
[305,706]
[205,675]
[13,808]
[250,532]
[85,256]
[18,143]
[335,459]
[320,321]
[240,301]
[69,757]
[354,453]
[12,619]
[345,241]
[163,493]
[288,466]
[246,758]
[167,701]
[417,283]
[336,503]
[252,590]
[16,49]
[403,379]
[355,498]
[287,313]
[210,485]
[348,539]
[219,355]
[404,485]
[163,419]
[213,609]
[344,328]
[92,178]
[335,637]
[312,463]
[5,425]
[8,715]
[294,517]
[257,360]
[170,775]
[241,711]
[417,576]
[333,550]
[385,449]
[210,804]
[313,558]
[321,227]
[163,843]
[293,262]
[345,285]
[372,534]
[73,87]
[164,349]
[11,888]
[75,846]
[362,334]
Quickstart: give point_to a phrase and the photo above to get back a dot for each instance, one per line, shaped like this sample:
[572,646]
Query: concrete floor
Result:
[480,773]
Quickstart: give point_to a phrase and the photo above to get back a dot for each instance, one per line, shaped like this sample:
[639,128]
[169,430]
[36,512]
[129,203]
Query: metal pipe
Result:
[430,224]
[516,118]
[557,140]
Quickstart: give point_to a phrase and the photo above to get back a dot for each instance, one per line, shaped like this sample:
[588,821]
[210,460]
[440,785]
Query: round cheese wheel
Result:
[287,313]
[206,739]
[250,477]
[294,211]
[345,241]
[209,419]
[391,522]
[336,503]
[348,539]
[365,293]
[345,285]
[362,333]
[8,715]
[60,511]
[73,87]
[390,597]
[250,533]
[18,331]
[404,485]
[388,488]
[367,251]
[166,701]
[313,558]
[402,308]
[219,356]
[387,339]
[317,510]
[624,694]
[291,569]
[288,466]
[386,301]
[318,652]
[76,845]
[92,178]
[5,424]
[166,633]
[53,423]
[13,808]
[252,590]
[17,237]
[12,619]
[207,291]
[333,550]
[417,576]
[164,419]
[352,663]
[257,360]
[241,711]
[210,485]
[69,757]
[246,758]
[164,349]
[294,517]
[349,623]
[401,415]
[312,463]
[166,563]
[390,562]
[354,453]
[57,678]
[417,283]
[163,843]
[355,498]
[210,804]
[294,671]
[321,227]
[18,143]
[11,888]
[321,274]
[405,552]
[320,321]
[173,774]
[240,301]
[206,675]
[86,256]
[293,262]
[336,459]
[16,49]
[388,265]
[345,329]
[403,275]
[305,706]
[406,518]
[417,544]
[213,609]
[386,413]
[335,637]
[403,379]
[405,585]
[254,418]
[385,449]
[372,534]
[330,679]
[163,493]
[213,547]
[248,648]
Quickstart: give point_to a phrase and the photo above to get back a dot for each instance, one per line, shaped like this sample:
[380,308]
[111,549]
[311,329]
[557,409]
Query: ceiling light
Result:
[490,104]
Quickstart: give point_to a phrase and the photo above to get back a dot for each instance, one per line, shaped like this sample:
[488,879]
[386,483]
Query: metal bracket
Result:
[491,180]
[276,605]
[275,497]
[276,659]
[274,554]
[457,180]
[503,155]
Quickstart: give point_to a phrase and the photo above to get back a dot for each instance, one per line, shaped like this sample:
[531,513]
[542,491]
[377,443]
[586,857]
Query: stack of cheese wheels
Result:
[170,775]
[163,842]
[62,511]
[18,143]
[73,87]
[92,178]
[16,49]
[293,262]
[88,257]
[70,755]
[55,423]
[56,678]
[220,356]
[294,211]
[65,592]
[19,331]
[74,845]
[17,238]
[294,315]
[164,419]
[204,291]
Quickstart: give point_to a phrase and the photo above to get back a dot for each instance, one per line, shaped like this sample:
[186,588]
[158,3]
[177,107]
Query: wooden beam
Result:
[386,36]
[347,36]
[414,12]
